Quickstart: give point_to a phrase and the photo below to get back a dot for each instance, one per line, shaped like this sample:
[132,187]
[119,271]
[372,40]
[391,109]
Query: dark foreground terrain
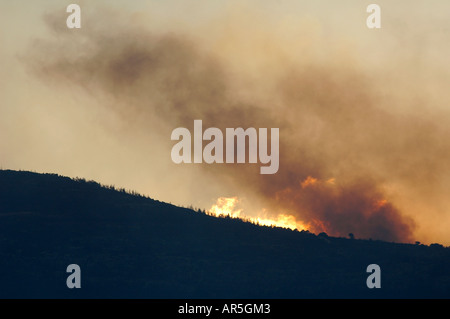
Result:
[129,246]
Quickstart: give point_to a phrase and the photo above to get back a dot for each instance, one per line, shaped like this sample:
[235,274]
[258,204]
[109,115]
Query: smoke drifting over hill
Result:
[347,148]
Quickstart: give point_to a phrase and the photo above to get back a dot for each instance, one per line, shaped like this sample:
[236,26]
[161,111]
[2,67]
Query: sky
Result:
[363,113]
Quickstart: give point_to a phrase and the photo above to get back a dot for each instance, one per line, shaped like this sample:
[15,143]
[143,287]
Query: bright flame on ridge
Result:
[226,206]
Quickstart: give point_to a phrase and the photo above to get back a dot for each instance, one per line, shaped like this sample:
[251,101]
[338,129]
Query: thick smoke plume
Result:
[340,145]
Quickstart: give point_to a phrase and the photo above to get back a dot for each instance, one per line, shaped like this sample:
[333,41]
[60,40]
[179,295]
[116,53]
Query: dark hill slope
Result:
[129,246]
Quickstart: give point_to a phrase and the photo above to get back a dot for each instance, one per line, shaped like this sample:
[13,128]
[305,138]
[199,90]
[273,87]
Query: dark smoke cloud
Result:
[332,127]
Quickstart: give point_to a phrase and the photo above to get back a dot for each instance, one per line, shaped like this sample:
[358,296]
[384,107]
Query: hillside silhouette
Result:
[131,246]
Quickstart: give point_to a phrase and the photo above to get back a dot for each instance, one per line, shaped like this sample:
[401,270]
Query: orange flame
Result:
[227,206]
[308,182]
[380,203]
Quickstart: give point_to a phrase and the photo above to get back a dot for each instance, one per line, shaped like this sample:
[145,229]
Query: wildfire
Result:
[227,206]
[308,182]
[380,203]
